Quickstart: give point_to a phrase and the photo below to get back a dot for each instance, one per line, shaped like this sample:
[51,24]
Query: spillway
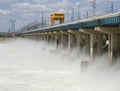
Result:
[30,65]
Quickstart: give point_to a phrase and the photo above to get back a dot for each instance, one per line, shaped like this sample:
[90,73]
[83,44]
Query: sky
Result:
[27,11]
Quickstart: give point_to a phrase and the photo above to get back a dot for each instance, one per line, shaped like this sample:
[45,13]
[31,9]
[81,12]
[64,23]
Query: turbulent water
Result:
[29,65]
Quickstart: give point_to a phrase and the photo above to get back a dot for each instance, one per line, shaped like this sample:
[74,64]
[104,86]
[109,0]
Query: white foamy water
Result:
[28,65]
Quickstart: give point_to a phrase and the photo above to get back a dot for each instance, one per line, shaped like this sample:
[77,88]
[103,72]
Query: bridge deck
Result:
[105,20]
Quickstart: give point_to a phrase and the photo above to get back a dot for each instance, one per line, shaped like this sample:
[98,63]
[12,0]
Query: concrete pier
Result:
[90,40]
[113,39]
[96,35]
[94,40]
[64,39]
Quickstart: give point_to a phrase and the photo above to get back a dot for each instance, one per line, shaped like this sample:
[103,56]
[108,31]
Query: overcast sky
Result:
[26,11]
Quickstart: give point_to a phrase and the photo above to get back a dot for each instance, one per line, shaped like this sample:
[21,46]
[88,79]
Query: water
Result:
[28,65]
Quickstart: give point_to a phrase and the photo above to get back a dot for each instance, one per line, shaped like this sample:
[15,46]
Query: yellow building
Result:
[57,16]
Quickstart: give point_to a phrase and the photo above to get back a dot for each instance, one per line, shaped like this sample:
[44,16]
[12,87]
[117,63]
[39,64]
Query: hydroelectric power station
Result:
[99,34]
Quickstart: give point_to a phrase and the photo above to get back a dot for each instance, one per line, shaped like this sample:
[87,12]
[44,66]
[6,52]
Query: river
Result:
[30,65]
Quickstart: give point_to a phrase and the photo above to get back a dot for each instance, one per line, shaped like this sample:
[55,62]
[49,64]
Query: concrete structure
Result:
[97,35]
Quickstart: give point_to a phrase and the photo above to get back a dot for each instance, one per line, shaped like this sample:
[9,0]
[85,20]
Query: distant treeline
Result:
[6,35]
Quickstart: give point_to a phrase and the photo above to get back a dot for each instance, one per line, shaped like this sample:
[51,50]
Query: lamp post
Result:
[72,17]
[94,7]
[112,7]
[78,12]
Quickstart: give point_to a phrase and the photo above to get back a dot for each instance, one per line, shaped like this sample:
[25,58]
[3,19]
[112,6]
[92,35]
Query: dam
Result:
[100,34]
[82,53]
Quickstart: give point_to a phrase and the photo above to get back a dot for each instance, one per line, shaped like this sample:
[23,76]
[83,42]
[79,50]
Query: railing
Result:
[84,16]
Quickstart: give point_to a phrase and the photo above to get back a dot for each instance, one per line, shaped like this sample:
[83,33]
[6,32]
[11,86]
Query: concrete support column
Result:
[78,43]
[118,43]
[62,40]
[47,36]
[37,36]
[70,41]
[43,37]
[113,49]
[92,45]
[99,43]
[56,40]
[87,41]
[51,37]
[109,46]
[40,36]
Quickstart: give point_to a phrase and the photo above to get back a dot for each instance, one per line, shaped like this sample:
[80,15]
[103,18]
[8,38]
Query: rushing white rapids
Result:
[28,65]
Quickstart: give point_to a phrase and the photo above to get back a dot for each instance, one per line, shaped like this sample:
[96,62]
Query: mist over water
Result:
[30,65]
